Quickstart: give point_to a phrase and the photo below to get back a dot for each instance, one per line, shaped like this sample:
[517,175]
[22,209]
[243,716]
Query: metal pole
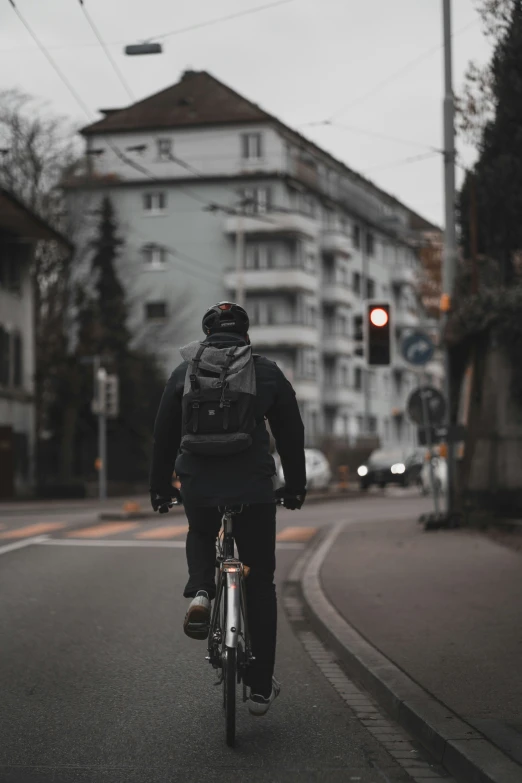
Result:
[364,293]
[102,436]
[450,241]
[240,254]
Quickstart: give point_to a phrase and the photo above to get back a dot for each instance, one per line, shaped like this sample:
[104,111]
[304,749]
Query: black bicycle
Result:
[229,649]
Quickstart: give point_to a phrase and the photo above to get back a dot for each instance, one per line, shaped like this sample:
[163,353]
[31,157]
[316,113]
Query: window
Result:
[17,361]
[11,267]
[370,243]
[4,357]
[164,147]
[308,204]
[344,376]
[358,379]
[156,311]
[256,201]
[372,425]
[356,236]
[251,146]
[356,283]
[310,315]
[153,203]
[342,325]
[310,263]
[258,256]
[370,288]
[154,256]
[358,332]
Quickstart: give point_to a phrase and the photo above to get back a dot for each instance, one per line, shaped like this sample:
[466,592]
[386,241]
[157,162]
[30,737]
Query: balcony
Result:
[273,224]
[284,335]
[307,390]
[337,344]
[336,242]
[289,279]
[339,395]
[403,275]
[404,319]
[337,293]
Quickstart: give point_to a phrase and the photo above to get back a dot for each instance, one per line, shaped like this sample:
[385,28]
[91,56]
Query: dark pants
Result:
[254,532]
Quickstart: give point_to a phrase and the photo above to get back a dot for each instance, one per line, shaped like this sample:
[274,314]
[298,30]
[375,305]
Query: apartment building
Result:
[20,229]
[216,198]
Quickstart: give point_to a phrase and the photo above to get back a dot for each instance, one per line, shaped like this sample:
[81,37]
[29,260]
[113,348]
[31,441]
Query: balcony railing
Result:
[334,343]
[337,293]
[278,223]
[339,395]
[337,242]
[403,275]
[280,335]
[280,279]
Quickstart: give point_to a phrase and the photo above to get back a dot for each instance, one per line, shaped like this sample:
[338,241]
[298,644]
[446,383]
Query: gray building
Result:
[217,198]
[20,229]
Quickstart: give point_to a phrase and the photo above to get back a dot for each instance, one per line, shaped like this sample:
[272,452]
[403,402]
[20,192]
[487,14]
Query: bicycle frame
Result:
[231,595]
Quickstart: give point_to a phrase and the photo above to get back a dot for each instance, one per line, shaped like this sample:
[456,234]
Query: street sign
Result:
[426,400]
[418,348]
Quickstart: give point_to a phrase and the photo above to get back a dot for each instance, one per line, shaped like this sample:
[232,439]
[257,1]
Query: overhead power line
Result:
[370,133]
[403,161]
[405,68]
[105,48]
[218,20]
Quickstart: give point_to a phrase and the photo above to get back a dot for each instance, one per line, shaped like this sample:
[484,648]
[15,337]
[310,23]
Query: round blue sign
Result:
[418,348]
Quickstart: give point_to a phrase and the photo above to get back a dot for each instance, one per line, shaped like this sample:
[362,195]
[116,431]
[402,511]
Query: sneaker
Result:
[197,619]
[259,705]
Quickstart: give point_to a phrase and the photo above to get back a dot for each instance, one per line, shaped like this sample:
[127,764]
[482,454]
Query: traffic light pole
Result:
[450,241]
[102,434]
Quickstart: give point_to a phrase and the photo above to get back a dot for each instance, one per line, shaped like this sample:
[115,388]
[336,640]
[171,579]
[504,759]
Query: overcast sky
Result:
[304,61]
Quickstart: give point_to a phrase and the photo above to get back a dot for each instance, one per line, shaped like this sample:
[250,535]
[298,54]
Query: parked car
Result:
[440,475]
[391,466]
[318,471]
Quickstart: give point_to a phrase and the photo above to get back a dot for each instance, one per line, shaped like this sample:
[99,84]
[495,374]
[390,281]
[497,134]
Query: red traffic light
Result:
[379,317]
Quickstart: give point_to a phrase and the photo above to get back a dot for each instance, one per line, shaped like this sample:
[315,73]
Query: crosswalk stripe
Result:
[165,532]
[100,531]
[32,530]
[296,534]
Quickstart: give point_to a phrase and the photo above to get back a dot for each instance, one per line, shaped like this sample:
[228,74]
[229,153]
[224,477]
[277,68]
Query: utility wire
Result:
[378,87]
[370,133]
[217,20]
[105,48]
[403,161]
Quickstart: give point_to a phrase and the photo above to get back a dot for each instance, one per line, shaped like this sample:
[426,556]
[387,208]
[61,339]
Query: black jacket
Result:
[240,478]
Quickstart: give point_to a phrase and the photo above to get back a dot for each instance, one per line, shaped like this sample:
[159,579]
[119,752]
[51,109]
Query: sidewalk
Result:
[446,608]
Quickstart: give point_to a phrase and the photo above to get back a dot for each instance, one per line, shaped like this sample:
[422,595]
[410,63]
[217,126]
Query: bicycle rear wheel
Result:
[229,694]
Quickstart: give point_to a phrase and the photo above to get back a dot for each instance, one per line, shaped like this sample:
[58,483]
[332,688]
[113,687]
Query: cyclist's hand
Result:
[162,503]
[291,499]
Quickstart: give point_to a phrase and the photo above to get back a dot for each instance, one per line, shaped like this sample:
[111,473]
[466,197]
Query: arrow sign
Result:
[418,348]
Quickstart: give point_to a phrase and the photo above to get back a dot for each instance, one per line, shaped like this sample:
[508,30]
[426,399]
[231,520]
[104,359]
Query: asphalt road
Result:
[98,683]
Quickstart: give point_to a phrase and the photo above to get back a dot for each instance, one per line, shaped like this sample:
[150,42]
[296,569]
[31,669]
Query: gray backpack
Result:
[218,399]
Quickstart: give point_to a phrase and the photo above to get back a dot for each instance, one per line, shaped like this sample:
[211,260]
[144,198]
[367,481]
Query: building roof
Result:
[200,99]
[16,218]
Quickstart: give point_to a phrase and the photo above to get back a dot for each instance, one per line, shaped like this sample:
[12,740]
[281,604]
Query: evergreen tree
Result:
[498,172]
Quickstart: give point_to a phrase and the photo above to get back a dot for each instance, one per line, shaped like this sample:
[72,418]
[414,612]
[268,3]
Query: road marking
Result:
[33,530]
[22,544]
[296,534]
[131,542]
[165,532]
[99,531]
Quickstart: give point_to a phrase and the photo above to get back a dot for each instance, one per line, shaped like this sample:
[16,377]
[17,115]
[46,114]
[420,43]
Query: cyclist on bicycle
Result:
[244,478]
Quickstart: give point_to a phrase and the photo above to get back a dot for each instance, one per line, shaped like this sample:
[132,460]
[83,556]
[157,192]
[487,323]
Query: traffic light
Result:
[112,396]
[378,333]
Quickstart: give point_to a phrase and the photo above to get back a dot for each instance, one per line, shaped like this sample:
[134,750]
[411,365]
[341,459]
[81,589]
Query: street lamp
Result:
[148,47]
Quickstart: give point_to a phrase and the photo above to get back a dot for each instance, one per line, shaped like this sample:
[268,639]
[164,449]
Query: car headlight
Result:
[399,467]
[362,470]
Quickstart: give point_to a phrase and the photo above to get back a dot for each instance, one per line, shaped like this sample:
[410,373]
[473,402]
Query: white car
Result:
[318,471]
[440,475]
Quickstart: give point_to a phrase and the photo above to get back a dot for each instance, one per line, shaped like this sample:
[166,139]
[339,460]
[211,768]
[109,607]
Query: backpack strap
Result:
[194,367]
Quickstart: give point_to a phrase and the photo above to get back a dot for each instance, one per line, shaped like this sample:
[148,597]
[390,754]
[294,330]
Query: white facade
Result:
[313,232]
[17,412]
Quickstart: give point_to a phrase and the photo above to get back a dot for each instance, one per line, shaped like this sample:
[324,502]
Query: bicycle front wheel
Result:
[229,685]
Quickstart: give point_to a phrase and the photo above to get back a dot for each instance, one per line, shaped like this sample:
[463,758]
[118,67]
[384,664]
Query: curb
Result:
[125,516]
[452,742]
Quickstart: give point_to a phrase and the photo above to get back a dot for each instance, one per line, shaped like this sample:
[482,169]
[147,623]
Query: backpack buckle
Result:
[195,404]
